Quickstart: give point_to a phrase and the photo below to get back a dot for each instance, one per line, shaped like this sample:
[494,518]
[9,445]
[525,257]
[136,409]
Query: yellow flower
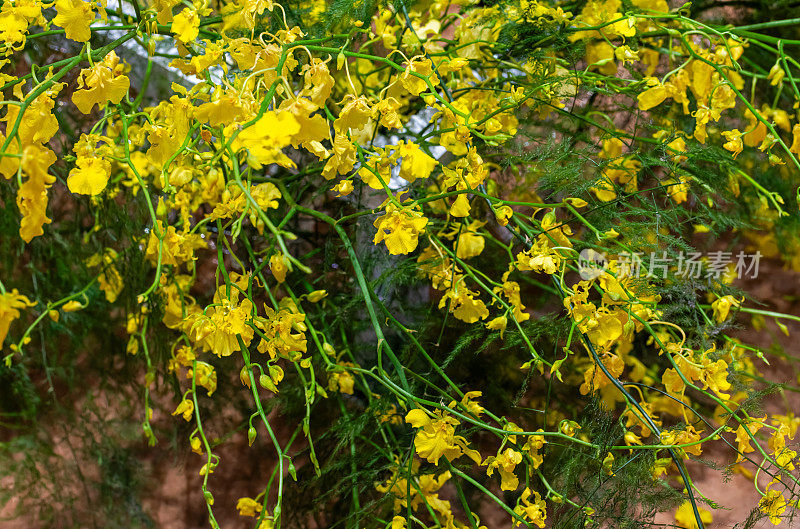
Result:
[266,195]
[688,435]
[110,280]
[248,507]
[185,408]
[416,83]
[685,518]
[10,302]
[206,376]
[399,229]
[266,137]
[776,74]
[15,19]
[32,194]
[576,202]
[224,322]
[343,188]
[539,258]
[469,403]
[652,97]
[608,464]
[460,207]
[464,305]
[355,115]
[795,147]
[71,306]
[533,445]
[176,248]
[279,266]
[424,491]
[605,328]
[242,13]
[75,16]
[470,243]
[186,25]
[90,177]
[388,111]
[533,511]
[660,466]
[714,376]
[600,57]
[502,214]
[625,54]
[734,143]
[416,163]
[343,158]
[773,504]
[38,125]
[341,380]
[436,437]
[378,176]
[594,378]
[102,83]
[743,439]
[722,307]
[677,189]
[317,296]
[279,326]
[632,439]
[677,146]
[267,523]
[182,357]
[604,190]
[673,382]
[785,459]
[224,108]
[505,463]
[208,468]
[511,291]
[498,324]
